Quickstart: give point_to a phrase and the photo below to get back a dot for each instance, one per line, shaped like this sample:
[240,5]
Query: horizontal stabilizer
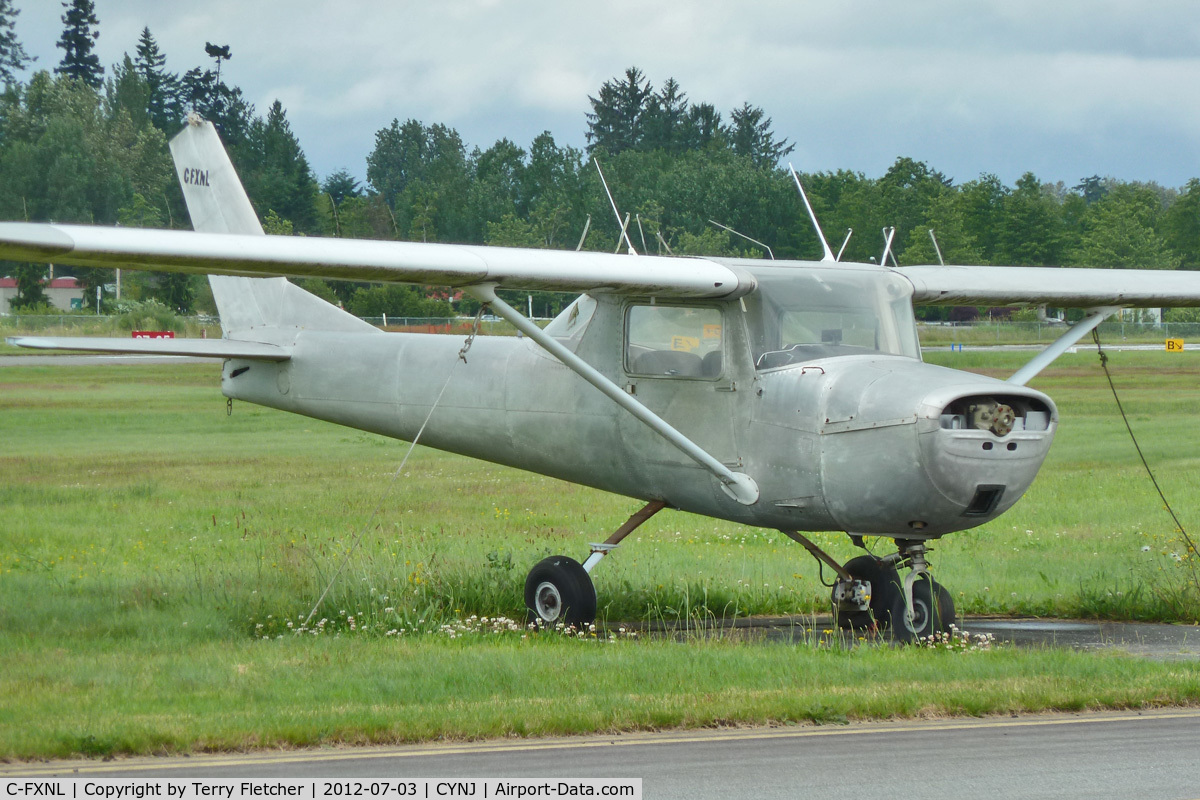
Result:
[204,348]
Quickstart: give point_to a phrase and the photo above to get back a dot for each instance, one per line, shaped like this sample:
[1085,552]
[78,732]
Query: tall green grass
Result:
[128,487]
[96,697]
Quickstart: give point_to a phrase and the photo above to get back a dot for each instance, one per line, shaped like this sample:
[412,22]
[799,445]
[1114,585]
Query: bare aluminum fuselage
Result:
[864,441]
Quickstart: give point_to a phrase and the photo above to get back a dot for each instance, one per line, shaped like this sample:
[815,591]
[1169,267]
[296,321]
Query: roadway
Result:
[1123,755]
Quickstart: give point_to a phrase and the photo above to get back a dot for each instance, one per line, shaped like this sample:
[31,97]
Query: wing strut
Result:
[738,485]
[1060,345]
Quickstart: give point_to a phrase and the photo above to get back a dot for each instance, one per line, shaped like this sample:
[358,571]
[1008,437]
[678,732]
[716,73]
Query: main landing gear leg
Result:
[559,588]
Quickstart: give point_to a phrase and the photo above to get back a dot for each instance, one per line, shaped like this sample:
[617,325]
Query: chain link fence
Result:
[982,332]
[987,332]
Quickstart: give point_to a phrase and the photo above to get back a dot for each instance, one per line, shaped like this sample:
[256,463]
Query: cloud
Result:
[1065,88]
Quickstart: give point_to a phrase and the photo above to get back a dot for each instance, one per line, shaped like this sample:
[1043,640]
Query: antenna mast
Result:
[812,215]
[846,241]
[888,235]
[936,248]
[617,214]
[586,225]
[770,252]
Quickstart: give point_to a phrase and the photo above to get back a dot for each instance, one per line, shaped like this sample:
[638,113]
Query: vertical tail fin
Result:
[217,203]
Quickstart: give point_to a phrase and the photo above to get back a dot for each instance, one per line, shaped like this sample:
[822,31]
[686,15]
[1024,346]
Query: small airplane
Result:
[781,394]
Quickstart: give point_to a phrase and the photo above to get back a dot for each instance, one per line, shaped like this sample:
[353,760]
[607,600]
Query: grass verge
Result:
[100,698]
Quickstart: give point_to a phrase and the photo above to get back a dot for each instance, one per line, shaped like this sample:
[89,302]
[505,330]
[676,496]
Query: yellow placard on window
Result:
[685,343]
[712,331]
[1174,345]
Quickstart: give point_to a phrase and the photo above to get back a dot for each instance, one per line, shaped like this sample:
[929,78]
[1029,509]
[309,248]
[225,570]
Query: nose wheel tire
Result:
[933,610]
[558,589]
[933,607]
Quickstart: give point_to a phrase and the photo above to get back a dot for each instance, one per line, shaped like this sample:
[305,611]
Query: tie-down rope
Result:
[1166,504]
[387,491]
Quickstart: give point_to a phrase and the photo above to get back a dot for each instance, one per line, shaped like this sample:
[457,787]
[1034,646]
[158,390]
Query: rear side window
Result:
[674,341]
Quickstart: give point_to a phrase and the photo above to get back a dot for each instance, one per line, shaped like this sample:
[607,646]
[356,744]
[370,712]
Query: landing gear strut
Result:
[559,589]
[872,594]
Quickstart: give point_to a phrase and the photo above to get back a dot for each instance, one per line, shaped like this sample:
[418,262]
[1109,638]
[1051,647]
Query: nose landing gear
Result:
[913,607]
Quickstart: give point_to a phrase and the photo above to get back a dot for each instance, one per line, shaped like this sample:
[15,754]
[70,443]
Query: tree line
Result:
[85,145]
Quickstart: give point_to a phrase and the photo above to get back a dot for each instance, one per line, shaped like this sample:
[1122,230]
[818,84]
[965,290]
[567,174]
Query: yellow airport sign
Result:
[685,343]
[1174,345]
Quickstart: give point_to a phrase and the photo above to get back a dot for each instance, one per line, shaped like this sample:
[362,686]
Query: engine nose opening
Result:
[999,414]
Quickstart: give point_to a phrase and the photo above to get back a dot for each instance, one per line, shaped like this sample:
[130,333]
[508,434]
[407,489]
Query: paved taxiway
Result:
[1149,754]
[1150,640]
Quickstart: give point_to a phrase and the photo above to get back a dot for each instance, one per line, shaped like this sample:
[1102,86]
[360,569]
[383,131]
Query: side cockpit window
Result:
[674,341]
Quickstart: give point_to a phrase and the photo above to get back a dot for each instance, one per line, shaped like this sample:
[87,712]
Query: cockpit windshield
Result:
[798,315]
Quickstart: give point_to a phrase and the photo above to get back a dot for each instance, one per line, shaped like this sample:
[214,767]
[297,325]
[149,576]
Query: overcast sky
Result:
[1064,88]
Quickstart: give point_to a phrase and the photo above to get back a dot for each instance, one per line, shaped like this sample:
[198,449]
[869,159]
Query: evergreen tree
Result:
[619,114]
[13,57]
[222,105]
[704,125]
[276,172]
[341,185]
[1091,189]
[30,291]
[163,105]
[78,38]
[667,124]
[750,135]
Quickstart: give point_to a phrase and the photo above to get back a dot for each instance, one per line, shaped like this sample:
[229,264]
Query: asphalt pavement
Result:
[1131,755]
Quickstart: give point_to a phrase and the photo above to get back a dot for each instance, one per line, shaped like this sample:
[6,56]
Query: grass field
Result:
[154,552]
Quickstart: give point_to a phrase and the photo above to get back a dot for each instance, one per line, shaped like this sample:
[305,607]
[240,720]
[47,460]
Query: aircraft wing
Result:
[368,260]
[1061,287]
[556,270]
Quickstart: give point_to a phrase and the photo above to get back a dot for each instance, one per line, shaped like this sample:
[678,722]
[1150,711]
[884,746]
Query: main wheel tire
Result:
[558,589]
[881,576]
